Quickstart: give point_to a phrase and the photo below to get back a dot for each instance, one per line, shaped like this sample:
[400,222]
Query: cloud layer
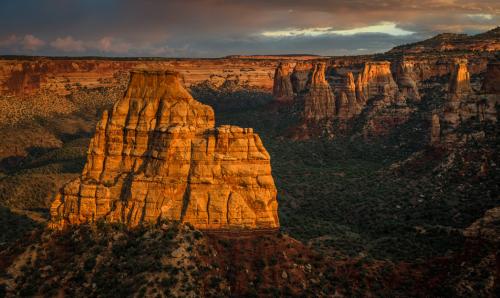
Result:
[213,28]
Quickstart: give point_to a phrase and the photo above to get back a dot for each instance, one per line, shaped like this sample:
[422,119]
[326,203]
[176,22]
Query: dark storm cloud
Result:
[219,27]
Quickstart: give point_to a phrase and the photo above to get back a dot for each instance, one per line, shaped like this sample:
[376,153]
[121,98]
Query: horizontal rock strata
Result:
[158,155]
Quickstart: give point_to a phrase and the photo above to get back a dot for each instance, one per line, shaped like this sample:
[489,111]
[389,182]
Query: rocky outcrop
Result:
[485,106]
[486,228]
[375,80]
[435,130]
[316,106]
[384,109]
[484,42]
[319,102]
[462,104]
[385,94]
[491,83]
[300,76]
[282,88]
[158,155]
[407,81]
[338,100]
[428,68]
[347,103]
[66,76]
[459,86]
[458,90]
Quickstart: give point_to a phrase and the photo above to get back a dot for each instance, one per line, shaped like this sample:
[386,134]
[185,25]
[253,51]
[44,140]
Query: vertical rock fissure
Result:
[186,196]
[208,209]
[227,207]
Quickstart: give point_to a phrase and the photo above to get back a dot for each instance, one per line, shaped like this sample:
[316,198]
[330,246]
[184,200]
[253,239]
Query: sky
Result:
[216,28]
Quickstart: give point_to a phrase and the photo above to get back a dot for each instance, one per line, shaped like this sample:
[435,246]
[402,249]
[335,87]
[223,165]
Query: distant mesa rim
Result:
[156,72]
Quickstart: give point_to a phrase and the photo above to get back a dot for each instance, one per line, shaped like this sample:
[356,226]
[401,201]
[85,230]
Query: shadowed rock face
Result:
[407,81]
[435,129]
[491,84]
[300,76]
[319,102]
[157,155]
[463,104]
[282,89]
[346,101]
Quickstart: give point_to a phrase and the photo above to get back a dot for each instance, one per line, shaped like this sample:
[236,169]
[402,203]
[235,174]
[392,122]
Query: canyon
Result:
[26,75]
[383,94]
[33,88]
[371,175]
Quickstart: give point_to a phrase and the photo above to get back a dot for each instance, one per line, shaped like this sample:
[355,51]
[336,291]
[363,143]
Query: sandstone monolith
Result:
[157,155]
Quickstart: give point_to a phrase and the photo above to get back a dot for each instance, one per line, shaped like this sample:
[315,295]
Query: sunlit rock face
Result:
[157,155]
[282,88]
[375,80]
[340,94]
[66,76]
[376,87]
[459,85]
[458,90]
[375,97]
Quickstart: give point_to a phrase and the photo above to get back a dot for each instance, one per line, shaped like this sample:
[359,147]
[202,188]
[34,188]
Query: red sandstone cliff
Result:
[61,76]
[282,88]
[491,83]
[300,76]
[459,85]
[158,155]
[463,104]
[407,79]
[375,80]
[347,103]
[319,103]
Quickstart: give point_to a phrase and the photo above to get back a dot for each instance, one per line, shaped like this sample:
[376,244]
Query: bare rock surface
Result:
[157,154]
[282,88]
[319,102]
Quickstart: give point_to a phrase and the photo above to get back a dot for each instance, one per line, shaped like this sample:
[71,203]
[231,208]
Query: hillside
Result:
[487,41]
